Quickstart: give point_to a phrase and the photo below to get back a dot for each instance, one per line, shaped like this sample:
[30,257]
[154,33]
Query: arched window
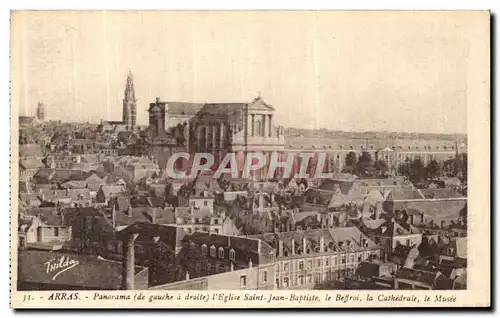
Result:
[212,251]
[232,254]
[221,252]
[204,249]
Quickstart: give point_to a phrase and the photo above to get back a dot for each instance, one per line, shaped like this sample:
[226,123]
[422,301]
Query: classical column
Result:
[198,137]
[207,137]
[128,265]
[270,125]
[214,136]
[264,126]
[222,135]
[186,135]
[253,125]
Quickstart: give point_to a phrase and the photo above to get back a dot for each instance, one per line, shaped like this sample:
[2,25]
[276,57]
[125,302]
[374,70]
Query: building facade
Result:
[219,128]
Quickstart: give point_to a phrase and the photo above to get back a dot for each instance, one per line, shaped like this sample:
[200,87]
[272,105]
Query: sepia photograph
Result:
[258,156]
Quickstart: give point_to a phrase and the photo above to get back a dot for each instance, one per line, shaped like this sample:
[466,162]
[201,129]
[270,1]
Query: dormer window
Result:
[204,250]
[221,252]
[212,251]
[232,254]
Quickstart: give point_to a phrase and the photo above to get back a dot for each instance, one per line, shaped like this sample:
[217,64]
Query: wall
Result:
[317,268]
[227,280]
[414,239]
[48,234]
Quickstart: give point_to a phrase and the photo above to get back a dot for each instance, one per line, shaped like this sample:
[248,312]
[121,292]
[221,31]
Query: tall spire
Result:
[129,88]
[129,103]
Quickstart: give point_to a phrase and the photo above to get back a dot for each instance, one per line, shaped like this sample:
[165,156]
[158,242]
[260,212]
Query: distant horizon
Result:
[298,128]
[404,72]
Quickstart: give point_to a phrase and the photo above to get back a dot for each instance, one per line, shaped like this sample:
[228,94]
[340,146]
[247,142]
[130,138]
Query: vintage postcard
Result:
[250,159]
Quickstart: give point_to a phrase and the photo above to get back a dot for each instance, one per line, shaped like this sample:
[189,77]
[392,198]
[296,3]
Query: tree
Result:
[462,166]
[433,170]
[364,166]
[351,159]
[417,170]
[381,167]
[404,168]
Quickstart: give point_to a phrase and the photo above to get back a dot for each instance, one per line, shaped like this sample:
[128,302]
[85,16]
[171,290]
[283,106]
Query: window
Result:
[309,278]
[204,249]
[300,280]
[343,259]
[212,251]
[286,281]
[318,262]
[408,242]
[205,203]
[359,259]
[264,277]
[277,283]
[56,231]
[327,261]
[232,254]
[334,261]
[309,264]
[243,281]
[221,252]
[352,258]
[285,267]
[301,265]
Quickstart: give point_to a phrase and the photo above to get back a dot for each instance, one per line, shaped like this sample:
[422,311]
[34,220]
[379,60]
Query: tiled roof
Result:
[404,194]
[109,190]
[361,144]
[90,272]
[30,150]
[335,239]
[442,193]
[30,163]
[421,276]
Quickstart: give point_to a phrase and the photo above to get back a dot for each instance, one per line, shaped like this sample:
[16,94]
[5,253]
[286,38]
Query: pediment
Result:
[259,104]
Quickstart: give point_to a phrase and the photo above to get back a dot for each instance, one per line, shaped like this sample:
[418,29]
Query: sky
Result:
[355,71]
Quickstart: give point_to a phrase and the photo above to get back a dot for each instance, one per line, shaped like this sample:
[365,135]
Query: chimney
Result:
[187,275]
[129,212]
[279,252]
[78,159]
[153,215]
[113,215]
[304,243]
[232,266]
[128,263]
[250,263]
[442,224]
[293,247]
[321,244]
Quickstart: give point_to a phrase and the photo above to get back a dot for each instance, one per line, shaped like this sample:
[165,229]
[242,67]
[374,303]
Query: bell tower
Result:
[129,104]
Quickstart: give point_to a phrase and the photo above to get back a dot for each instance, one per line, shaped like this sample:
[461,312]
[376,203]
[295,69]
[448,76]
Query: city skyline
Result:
[189,58]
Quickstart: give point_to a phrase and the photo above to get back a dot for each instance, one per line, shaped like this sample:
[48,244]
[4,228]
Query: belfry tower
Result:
[40,111]
[129,104]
